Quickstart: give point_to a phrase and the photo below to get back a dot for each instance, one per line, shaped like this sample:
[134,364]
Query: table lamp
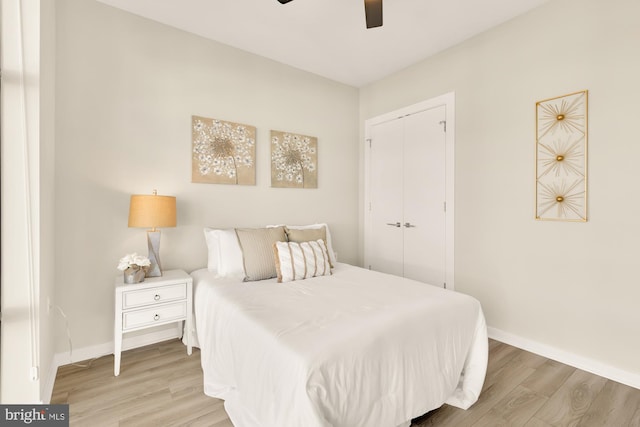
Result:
[152,211]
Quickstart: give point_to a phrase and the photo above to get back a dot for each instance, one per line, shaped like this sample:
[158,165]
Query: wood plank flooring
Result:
[159,385]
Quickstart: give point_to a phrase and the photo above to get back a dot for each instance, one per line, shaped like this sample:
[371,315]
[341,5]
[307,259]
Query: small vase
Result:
[133,274]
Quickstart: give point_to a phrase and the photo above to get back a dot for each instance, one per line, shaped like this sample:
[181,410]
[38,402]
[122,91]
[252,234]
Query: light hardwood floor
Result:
[159,385]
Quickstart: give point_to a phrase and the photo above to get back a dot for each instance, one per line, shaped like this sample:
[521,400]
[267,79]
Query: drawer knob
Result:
[156,297]
[156,317]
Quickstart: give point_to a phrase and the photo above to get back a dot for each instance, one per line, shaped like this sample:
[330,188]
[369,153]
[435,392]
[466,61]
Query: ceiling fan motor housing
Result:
[372,10]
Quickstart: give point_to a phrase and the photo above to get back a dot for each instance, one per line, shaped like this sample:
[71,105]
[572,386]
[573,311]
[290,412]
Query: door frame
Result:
[448,101]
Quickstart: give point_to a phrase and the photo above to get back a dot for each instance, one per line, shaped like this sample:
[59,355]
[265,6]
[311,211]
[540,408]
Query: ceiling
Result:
[329,37]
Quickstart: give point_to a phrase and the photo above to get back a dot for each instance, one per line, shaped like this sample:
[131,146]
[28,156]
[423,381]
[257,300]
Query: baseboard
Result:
[95,351]
[47,387]
[580,362]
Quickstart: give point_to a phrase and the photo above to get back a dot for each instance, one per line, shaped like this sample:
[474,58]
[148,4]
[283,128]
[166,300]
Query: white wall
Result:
[570,286]
[126,89]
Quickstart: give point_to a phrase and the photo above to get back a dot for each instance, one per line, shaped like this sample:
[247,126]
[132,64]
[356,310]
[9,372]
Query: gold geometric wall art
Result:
[294,160]
[222,152]
[561,158]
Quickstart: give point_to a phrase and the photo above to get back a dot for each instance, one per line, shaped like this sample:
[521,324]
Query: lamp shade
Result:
[151,211]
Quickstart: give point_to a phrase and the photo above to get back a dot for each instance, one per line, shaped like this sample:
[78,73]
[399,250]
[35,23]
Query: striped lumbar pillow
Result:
[301,260]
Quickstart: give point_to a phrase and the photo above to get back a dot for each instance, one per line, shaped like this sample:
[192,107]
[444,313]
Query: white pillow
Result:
[332,254]
[301,260]
[211,237]
[225,254]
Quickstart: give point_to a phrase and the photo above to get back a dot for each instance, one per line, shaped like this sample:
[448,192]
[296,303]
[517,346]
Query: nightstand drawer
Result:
[157,295]
[154,315]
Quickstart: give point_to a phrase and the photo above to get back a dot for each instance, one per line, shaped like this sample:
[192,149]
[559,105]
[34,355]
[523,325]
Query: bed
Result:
[350,348]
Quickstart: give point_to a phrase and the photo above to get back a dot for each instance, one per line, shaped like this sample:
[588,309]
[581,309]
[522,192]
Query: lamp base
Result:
[153,242]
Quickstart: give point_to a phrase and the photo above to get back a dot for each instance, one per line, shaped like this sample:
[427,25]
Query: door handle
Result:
[397,224]
[409,225]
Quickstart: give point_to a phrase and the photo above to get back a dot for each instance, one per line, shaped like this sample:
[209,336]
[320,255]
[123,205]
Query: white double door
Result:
[407,194]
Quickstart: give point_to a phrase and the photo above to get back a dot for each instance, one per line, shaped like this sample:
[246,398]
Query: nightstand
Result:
[156,301]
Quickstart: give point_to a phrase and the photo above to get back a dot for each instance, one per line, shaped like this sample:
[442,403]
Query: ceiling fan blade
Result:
[373,12]
[284,1]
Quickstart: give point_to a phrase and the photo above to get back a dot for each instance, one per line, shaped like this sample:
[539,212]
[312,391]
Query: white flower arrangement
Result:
[133,260]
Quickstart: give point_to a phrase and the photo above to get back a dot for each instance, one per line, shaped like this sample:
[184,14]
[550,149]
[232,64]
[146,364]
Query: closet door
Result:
[424,221]
[407,193]
[386,179]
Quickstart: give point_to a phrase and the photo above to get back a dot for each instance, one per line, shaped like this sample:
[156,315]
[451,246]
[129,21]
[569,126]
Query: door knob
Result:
[408,225]
[397,224]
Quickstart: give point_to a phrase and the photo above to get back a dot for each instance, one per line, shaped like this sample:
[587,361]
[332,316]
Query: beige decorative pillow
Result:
[305,235]
[257,251]
[301,260]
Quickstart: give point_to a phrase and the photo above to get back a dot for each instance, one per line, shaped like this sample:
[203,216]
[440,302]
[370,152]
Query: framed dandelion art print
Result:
[294,160]
[561,158]
[222,152]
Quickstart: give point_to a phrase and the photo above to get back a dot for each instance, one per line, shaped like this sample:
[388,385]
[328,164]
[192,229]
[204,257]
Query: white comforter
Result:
[358,348]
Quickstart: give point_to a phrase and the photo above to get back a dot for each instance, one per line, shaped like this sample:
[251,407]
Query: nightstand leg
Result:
[189,321]
[189,330]
[117,350]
